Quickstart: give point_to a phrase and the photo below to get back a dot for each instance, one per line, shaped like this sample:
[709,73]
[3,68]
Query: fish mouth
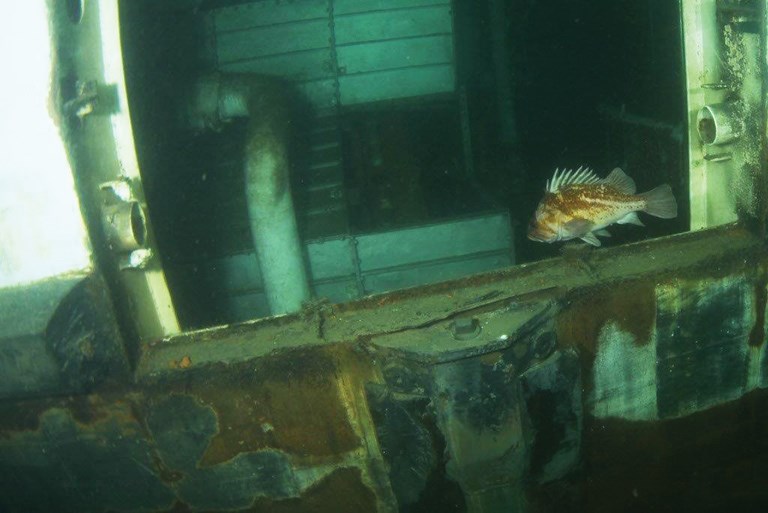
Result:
[534,233]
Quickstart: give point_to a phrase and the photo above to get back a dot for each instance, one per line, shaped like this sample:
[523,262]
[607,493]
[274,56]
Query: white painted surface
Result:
[624,375]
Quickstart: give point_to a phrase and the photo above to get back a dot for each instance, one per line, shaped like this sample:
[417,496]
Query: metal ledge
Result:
[724,249]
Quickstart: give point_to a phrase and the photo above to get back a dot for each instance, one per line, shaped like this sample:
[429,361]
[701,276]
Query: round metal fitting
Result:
[719,123]
[125,226]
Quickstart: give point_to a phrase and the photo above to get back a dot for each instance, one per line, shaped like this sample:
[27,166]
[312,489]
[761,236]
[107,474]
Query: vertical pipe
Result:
[218,98]
[270,203]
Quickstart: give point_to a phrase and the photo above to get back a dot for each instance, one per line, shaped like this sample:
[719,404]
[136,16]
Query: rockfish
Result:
[579,205]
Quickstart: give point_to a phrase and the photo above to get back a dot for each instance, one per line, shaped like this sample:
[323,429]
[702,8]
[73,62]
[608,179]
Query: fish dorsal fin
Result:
[620,181]
[583,175]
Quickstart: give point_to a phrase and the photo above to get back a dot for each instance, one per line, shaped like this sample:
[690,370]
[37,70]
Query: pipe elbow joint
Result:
[215,99]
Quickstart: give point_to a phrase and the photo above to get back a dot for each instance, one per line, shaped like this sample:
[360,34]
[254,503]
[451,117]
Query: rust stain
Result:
[289,402]
[185,362]
[631,305]
[87,411]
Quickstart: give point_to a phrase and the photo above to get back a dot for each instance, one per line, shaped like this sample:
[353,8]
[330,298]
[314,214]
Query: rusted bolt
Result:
[465,328]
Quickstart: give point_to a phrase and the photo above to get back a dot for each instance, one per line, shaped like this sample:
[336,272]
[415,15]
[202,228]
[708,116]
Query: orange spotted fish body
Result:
[578,204]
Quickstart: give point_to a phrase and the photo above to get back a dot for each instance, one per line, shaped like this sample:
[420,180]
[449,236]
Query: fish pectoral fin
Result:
[577,227]
[590,238]
[631,218]
[602,232]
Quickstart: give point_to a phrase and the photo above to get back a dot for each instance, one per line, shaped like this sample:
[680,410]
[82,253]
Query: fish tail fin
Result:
[660,202]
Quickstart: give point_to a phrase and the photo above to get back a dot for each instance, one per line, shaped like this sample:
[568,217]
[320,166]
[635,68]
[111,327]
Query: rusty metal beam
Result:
[721,250]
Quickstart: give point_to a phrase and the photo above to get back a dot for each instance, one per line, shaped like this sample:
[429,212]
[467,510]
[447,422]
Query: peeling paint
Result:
[703,335]
[291,402]
[85,410]
[270,429]
[624,376]
[406,444]
[278,432]
[481,415]
[552,393]
[237,483]
[632,306]
[343,489]
[84,467]
[182,428]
